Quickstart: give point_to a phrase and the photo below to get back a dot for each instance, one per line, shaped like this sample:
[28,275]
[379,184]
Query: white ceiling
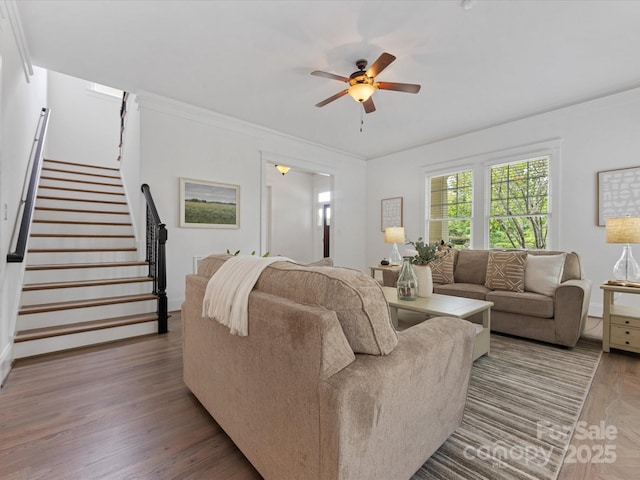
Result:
[493,63]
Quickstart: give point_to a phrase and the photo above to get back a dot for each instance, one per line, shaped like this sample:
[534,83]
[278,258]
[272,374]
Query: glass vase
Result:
[407,282]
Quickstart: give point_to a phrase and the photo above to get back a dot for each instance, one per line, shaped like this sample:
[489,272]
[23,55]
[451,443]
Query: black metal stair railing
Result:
[157,258]
[28,199]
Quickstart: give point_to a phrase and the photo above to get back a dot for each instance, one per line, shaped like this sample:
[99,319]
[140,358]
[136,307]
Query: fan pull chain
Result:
[361,119]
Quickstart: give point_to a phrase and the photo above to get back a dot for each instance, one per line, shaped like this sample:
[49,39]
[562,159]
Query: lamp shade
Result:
[361,92]
[282,169]
[394,235]
[623,230]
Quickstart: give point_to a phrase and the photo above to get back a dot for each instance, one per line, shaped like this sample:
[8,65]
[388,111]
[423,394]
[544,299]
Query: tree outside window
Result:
[519,205]
[450,208]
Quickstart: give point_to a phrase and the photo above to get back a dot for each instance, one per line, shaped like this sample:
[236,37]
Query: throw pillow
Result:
[442,271]
[544,273]
[505,270]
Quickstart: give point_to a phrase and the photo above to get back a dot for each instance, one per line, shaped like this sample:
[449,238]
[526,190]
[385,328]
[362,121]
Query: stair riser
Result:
[81,242]
[80,274]
[80,229]
[80,168]
[78,177]
[66,342]
[77,315]
[45,202]
[80,257]
[37,297]
[80,216]
[79,195]
[46,182]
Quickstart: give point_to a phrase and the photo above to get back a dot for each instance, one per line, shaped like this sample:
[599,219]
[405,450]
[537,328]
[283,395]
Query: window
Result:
[324,210]
[105,90]
[519,204]
[450,208]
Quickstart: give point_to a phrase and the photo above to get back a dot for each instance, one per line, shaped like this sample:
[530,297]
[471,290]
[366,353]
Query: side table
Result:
[381,268]
[621,323]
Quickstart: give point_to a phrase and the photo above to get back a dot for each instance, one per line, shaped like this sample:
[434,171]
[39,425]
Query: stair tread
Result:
[84,283]
[78,172]
[91,302]
[58,330]
[77,222]
[110,202]
[88,182]
[81,164]
[62,266]
[101,192]
[77,250]
[79,235]
[80,210]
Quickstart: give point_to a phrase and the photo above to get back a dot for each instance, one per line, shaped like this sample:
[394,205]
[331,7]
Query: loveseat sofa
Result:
[543,298]
[323,387]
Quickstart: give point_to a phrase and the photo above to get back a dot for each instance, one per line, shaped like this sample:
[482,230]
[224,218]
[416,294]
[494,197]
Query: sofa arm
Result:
[571,305]
[387,415]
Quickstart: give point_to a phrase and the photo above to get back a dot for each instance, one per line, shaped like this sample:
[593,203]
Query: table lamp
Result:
[624,230]
[394,235]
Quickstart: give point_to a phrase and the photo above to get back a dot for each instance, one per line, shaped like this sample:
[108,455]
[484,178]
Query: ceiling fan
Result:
[362,83]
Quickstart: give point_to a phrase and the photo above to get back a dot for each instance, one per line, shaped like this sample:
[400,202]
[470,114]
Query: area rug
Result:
[523,404]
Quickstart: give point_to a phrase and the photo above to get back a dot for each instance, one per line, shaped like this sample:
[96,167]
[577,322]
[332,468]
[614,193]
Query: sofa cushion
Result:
[543,273]
[442,271]
[505,270]
[466,290]
[357,299]
[471,266]
[529,303]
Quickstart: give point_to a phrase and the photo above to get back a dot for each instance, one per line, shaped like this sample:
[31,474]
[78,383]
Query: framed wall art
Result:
[391,212]
[618,193]
[209,204]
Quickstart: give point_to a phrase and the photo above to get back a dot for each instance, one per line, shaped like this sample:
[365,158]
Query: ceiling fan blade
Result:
[368,105]
[331,99]
[332,76]
[380,64]
[399,87]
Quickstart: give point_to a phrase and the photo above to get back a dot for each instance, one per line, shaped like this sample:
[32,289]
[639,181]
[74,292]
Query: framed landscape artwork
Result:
[618,193]
[209,204]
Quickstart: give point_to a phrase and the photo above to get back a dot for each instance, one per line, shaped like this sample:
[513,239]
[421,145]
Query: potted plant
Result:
[426,253]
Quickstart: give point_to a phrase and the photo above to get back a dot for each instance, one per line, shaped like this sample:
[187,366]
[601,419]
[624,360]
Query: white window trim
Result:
[480,166]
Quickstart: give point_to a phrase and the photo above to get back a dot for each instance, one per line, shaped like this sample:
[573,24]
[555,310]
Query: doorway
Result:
[296,212]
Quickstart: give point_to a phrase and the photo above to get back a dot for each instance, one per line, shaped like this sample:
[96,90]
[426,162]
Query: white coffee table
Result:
[447,306]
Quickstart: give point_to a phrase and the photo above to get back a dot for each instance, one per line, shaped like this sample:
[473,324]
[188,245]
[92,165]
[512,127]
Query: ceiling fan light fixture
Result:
[361,92]
[282,169]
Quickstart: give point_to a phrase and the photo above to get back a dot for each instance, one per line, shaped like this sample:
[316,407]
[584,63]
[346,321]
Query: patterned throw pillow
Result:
[442,271]
[505,270]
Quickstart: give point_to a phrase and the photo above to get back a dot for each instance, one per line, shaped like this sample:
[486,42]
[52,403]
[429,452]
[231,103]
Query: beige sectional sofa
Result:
[323,387]
[536,309]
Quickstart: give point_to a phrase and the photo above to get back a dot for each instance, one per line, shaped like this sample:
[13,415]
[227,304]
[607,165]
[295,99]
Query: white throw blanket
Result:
[227,296]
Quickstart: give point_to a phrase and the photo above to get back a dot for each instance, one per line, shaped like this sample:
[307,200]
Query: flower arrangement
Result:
[427,253]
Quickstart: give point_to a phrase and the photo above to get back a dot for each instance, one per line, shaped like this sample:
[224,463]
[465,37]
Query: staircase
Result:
[83,284]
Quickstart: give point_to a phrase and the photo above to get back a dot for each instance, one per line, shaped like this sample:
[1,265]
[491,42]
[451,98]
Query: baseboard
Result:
[5,364]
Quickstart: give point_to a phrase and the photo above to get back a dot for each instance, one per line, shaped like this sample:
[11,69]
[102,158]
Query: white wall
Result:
[178,140]
[20,106]
[292,208]
[130,171]
[85,125]
[602,134]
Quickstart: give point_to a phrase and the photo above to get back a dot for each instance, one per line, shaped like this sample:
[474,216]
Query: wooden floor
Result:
[121,411]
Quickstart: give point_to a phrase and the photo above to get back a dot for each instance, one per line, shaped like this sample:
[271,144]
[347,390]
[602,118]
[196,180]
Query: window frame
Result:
[427,196]
[480,165]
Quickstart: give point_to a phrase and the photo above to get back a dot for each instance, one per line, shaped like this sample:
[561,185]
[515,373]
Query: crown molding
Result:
[194,113]
[10,8]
